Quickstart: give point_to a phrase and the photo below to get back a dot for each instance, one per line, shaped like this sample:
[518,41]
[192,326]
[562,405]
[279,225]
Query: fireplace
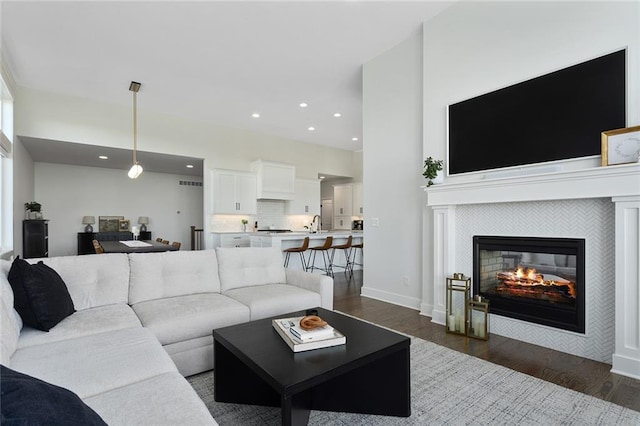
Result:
[540,280]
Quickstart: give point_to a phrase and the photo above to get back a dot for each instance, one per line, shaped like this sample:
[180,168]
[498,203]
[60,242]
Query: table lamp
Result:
[143,221]
[88,220]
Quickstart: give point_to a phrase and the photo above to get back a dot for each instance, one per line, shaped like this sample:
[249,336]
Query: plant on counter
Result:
[431,169]
[244,224]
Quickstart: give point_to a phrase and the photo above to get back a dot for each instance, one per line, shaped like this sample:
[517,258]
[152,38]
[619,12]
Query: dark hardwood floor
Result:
[580,374]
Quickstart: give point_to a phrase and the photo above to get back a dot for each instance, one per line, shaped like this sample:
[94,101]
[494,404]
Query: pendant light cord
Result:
[135,127]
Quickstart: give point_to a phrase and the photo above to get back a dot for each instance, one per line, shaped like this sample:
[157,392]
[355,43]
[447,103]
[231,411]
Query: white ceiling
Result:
[214,61]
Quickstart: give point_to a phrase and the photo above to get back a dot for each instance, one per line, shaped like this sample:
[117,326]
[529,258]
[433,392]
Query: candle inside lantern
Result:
[478,326]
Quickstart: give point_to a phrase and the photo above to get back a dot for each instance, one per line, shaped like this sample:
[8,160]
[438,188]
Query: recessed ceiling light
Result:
[321,177]
[103,157]
[189,166]
[312,128]
[255,115]
[337,114]
[354,139]
[303,105]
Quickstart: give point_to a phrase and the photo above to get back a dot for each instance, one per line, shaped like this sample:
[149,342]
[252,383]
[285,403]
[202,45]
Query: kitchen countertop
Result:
[322,234]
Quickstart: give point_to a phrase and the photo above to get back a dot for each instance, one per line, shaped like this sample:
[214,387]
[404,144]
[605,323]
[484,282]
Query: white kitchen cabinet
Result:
[358,209]
[342,200]
[307,198]
[275,181]
[234,192]
[342,222]
[261,241]
[235,240]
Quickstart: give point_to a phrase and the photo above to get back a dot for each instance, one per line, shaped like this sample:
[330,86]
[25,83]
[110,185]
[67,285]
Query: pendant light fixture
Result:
[136,169]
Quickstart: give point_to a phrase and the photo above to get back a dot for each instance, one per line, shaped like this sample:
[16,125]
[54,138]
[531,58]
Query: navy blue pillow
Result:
[40,295]
[30,401]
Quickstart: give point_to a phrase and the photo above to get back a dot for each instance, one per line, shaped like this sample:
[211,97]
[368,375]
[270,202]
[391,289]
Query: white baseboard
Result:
[396,299]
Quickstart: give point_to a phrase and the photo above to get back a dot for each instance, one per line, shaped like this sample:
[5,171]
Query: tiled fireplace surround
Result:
[601,205]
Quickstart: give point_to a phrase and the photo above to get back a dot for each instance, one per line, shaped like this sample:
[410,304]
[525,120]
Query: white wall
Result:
[392,160]
[69,192]
[65,118]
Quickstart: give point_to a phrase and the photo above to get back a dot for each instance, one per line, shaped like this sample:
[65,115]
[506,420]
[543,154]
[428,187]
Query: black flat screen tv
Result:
[556,116]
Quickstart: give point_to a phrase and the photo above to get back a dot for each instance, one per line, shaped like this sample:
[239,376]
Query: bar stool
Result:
[346,247]
[300,250]
[354,248]
[324,249]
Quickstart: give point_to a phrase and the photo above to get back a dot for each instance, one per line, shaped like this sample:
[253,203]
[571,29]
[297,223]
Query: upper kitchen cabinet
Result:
[343,200]
[276,181]
[358,208]
[307,198]
[234,192]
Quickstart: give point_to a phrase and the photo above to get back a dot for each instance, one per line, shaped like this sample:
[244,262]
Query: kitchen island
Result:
[285,240]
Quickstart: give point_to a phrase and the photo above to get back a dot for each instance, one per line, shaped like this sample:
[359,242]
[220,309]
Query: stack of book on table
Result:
[300,340]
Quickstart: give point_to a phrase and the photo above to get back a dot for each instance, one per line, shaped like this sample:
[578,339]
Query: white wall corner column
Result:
[444,237]
[626,358]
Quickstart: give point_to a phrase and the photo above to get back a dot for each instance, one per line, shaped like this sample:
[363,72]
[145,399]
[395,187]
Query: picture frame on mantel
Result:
[621,146]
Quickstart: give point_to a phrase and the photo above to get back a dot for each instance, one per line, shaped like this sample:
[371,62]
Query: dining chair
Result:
[165,241]
[176,244]
[158,240]
[97,247]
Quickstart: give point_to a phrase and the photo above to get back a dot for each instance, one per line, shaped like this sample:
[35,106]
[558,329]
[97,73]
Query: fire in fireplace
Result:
[540,280]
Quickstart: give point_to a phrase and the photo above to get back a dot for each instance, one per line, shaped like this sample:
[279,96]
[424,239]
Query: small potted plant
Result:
[33,209]
[244,225]
[431,169]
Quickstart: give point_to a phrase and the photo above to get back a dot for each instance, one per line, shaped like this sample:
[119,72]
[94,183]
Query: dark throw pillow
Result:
[40,295]
[30,401]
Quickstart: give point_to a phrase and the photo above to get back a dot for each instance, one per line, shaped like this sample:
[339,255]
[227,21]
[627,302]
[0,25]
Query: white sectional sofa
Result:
[143,321]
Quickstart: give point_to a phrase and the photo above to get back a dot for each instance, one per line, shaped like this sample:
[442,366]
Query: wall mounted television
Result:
[556,116]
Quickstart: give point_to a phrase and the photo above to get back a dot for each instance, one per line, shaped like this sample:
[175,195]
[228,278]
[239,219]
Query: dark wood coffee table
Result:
[369,375]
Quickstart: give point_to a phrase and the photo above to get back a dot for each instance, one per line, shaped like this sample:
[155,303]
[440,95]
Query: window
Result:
[6,168]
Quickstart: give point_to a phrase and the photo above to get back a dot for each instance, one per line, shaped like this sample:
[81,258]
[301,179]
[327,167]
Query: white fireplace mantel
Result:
[599,182]
[620,183]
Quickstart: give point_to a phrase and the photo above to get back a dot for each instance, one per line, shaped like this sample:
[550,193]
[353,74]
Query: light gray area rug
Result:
[451,388]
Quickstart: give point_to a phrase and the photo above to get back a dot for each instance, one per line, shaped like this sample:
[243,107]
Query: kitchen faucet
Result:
[317,225]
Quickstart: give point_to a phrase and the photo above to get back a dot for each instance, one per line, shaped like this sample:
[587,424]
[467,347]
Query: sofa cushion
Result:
[30,401]
[249,266]
[167,399]
[83,323]
[98,363]
[172,273]
[10,321]
[6,294]
[181,318]
[93,280]
[41,296]
[273,299]
[8,335]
